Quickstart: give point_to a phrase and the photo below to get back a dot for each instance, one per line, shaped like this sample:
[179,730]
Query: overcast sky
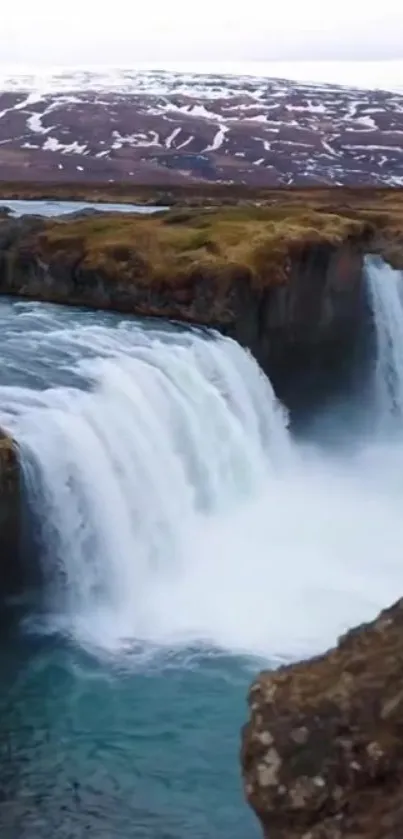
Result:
[127,31]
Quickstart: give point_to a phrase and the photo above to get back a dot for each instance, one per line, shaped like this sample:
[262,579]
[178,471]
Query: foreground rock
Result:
[322,754]
[10,572]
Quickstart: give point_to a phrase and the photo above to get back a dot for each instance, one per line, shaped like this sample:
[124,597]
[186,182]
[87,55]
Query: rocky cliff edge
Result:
[322,753]
[284,279]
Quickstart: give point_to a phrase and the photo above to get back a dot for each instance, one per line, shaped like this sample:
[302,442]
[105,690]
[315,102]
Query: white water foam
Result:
[177,510]
[386,290]
[170,435]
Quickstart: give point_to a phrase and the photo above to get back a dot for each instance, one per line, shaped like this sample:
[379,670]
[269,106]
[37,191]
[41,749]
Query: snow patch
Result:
[139,140]
[368,121]
[218,139]
[186,142]
[352,110]
[53,144]
[32,99]
[169,140]
[373,148]
[329,149]
[34,123]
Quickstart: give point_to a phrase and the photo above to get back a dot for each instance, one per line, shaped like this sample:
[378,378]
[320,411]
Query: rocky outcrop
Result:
[322,753]
[10,572]
[296,305]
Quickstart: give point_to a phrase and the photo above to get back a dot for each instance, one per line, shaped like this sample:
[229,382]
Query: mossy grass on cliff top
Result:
[170,247]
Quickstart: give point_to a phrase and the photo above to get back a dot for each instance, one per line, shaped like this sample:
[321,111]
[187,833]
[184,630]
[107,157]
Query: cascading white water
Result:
[174,506]
[174,428]
[385,287]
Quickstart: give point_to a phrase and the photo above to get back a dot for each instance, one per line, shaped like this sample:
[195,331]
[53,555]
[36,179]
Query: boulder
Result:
[322,753]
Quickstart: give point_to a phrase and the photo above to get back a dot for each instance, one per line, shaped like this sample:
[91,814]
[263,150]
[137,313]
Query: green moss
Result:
[164,248]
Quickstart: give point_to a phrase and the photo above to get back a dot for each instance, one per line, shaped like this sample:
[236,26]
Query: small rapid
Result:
[172,507]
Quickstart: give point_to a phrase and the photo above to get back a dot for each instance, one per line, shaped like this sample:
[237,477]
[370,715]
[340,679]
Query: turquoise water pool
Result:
[128,748]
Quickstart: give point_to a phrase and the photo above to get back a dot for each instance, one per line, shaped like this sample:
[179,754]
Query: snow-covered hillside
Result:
[166,127]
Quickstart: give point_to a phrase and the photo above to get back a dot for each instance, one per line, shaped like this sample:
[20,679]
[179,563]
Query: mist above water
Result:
[174,509]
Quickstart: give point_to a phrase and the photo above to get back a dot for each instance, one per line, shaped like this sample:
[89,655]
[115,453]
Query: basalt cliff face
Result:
[322,753]
[305,331]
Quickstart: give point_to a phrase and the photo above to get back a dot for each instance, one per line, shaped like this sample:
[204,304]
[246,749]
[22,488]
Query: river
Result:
[186,539]
[50,208]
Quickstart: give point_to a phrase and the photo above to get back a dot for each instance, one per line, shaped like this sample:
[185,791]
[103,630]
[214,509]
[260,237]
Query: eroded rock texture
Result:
[322,753]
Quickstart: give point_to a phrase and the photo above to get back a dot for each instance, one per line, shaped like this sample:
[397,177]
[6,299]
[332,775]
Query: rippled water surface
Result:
[126,749]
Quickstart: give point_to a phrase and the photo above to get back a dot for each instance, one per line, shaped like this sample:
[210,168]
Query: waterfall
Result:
[165,433]
[385,287]
[173,509]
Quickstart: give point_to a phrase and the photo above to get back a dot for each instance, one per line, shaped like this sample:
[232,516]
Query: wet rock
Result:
[10,570]
[322,753]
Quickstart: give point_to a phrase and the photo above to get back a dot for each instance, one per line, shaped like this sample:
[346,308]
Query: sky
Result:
[121,32]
